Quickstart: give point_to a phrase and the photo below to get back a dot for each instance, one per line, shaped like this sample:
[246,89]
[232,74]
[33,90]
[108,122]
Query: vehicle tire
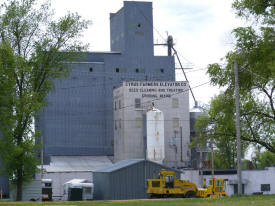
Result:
[190,194]
[164,196]
[154,196]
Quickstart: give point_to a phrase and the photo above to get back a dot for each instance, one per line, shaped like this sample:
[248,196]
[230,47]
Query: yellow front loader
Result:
[215,188]
[168,186]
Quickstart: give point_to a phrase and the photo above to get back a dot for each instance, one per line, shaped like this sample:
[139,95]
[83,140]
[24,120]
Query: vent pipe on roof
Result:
[170,45]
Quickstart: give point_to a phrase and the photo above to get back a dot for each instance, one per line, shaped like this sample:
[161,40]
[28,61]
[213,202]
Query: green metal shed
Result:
[126,179]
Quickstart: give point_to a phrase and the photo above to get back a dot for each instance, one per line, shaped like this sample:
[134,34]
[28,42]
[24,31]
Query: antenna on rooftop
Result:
[169,43]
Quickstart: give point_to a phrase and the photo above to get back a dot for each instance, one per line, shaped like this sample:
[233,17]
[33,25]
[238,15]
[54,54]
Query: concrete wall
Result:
[252,180]
[257,177]
[59,178]
[192,176]
[129,139]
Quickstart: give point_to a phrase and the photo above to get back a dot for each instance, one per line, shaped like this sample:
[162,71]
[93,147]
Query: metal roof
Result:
[129,162]
[76,181]
[119,165]
[91,62]
[103,52]
[77,163]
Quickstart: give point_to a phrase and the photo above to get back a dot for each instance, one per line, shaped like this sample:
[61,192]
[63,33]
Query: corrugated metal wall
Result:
[79,117]
[102,190]
[127,182]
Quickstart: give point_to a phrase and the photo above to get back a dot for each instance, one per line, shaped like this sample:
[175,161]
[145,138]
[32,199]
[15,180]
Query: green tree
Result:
[263,159]
[7,83]
[219,124]
[39,50]
[255,54]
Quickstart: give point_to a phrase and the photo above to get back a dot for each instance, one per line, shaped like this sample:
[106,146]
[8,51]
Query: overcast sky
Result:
[201,31]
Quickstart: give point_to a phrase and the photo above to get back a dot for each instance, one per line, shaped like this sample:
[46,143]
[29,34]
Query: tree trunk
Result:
[19,184]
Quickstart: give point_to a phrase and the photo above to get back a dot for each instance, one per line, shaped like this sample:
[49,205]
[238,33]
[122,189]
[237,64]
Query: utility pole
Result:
[238,132]
[200,171]
[176,148]
[212,157]
[42,156]
[181,158]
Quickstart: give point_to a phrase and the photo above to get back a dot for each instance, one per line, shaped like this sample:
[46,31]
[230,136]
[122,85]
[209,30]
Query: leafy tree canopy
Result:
[34,50]
[255,54]
[264,159]
[260,10]
[219,124]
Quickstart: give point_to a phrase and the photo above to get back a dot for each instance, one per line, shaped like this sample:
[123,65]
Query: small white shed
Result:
[86,186]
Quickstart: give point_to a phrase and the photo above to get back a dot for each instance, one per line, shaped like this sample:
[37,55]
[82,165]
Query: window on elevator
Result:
[175,103]
[137,103]
[176,122]
[119,104]
[138,122]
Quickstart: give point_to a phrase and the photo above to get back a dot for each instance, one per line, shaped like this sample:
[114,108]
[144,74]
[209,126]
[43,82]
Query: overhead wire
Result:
[160,98]
[127,120]
[142,13]
[164,39]
[109,78]
[156,99]
[196,70]
[254,73]
[175,53]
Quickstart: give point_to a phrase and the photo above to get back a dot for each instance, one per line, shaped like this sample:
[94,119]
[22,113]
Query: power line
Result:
[141,12]
[164,39]
[187,59]
[185,76]
[175,52]
[109,79]
[130,120]
[160,98]
[247,69]
[195,70]
[126,75]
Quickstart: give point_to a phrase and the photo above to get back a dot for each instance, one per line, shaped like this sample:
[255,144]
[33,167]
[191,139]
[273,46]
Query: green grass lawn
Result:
[261,200]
